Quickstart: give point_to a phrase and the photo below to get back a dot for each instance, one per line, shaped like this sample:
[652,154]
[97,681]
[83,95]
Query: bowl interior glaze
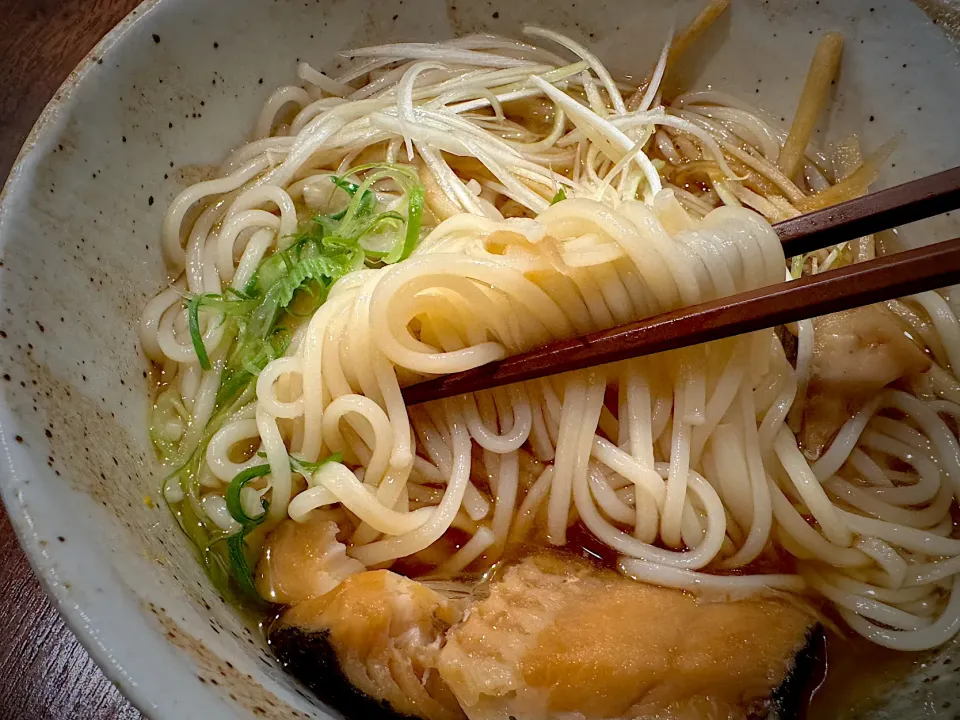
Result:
[160,101]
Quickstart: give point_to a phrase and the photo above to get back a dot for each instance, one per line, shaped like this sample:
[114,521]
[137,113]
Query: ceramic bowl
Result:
[165,95]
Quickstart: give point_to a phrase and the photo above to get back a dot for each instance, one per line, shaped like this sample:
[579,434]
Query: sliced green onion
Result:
[345,184]
[226,307]
[239,294]
[368,201]
[308,468]
[168,413]
[193,320]
[259,322]
[236,543]
[305,467]
[239,567]
[414,220]
[561,195]
[234,506]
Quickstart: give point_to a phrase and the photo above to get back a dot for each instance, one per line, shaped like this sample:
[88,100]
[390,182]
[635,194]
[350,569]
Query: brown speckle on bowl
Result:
[240,687]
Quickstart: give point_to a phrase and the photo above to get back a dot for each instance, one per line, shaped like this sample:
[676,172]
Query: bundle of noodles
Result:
[481,196]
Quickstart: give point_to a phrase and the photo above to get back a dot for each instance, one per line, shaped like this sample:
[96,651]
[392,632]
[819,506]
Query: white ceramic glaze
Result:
[167,93]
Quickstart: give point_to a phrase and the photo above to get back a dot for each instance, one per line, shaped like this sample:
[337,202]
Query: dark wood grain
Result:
[41,41]
[45,672]
[884,278]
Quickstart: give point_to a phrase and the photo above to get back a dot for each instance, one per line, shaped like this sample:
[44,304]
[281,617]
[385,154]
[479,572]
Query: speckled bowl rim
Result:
[108,645]
[110,660]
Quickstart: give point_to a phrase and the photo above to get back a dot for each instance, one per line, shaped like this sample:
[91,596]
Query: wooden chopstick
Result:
[881,210]
[884,278]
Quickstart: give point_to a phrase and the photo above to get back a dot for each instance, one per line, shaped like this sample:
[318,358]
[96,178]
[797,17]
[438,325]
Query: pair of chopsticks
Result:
[884,278]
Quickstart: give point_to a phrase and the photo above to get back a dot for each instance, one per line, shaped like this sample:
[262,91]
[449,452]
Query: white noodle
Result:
[696,469]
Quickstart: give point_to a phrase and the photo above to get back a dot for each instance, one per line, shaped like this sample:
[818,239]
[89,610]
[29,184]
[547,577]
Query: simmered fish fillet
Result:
[557,639]
[370,647]
[856,353]
[305,560]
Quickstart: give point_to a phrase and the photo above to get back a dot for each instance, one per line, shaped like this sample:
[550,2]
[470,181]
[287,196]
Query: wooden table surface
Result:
[44,671]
